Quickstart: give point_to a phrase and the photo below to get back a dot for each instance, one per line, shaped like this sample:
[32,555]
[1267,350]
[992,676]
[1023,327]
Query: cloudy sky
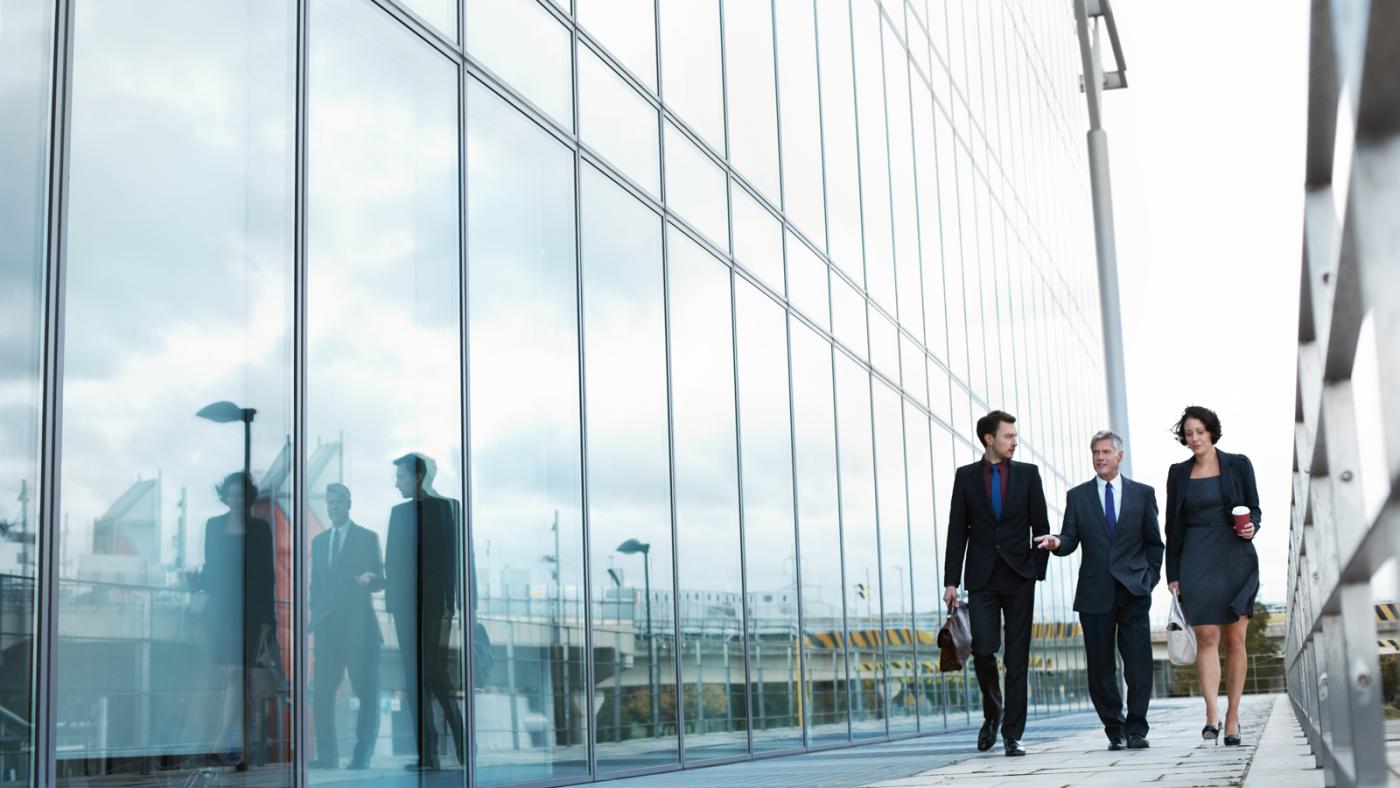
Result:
[1207,147]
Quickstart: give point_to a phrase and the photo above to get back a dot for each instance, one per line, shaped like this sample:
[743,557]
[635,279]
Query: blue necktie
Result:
[996,492]
[1109,510]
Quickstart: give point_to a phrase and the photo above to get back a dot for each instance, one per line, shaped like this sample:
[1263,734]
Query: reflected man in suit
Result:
[345,571]
[1115,519]
[997,507]
[423,593]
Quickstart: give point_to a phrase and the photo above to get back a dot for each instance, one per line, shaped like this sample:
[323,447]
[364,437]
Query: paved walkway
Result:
[1275,758]
[1064,751]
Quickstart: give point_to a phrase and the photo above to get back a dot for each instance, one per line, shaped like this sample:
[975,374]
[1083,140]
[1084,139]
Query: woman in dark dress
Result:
[1213,568]
[239,579]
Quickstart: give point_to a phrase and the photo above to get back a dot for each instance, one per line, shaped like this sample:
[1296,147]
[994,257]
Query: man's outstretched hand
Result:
[1048,542]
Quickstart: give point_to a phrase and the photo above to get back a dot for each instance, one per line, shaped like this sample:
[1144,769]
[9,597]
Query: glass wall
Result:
[26,39]
[532,391]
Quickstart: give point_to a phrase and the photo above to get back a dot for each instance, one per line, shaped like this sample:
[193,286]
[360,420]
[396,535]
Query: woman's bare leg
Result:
[1236,669]
[1208,668]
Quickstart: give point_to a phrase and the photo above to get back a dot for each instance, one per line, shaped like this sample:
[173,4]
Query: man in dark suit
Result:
[345,570]
[423,593]
[998,506]
[1115,519]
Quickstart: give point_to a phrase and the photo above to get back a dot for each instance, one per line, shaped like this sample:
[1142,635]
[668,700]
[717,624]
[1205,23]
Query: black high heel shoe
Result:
[1232,739]
[1211,733]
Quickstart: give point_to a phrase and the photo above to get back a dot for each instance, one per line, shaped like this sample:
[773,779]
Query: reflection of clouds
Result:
[384,354]
[524,347]
[702,378]
[628,484]
[179,253]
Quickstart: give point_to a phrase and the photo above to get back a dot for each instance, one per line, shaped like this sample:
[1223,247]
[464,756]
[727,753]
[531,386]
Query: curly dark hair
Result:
[1206,417]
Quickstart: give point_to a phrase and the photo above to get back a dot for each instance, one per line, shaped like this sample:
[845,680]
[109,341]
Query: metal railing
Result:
[1346,504]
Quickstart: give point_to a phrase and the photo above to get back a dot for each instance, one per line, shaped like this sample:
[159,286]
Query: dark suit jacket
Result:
[975,531]
[1237,486]
[421,558]
[1133,556]
[338,602]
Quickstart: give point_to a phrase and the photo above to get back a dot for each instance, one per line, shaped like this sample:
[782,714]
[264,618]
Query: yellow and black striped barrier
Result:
[1389,611]
[874,638]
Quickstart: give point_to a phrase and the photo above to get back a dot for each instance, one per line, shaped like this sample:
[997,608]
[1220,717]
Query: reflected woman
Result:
[1212,564]
[239,616]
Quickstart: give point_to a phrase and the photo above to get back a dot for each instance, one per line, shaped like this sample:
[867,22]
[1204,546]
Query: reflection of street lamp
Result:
[630,547]
[224,412]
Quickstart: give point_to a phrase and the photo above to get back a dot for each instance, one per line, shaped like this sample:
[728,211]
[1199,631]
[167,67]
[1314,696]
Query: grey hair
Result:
[1107,435]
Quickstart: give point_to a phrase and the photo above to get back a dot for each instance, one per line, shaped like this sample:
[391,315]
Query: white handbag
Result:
[1181,639]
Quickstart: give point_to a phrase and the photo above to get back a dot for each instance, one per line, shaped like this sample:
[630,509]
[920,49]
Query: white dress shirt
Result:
[1117,482]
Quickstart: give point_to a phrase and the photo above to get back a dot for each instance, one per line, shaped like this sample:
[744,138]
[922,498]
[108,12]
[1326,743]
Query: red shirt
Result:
[1004,473]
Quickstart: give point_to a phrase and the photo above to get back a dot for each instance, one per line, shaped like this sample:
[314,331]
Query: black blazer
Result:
[973,529]
[421,557]
[1133,556]
[337,601]
[1236,485]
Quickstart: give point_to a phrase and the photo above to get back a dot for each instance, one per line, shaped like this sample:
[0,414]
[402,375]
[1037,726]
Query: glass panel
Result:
[383,396]
[884,345]
[174,640]
[692,74]
[753,102]
[955,688]
[839,138]
[874,162]
[930,241]
[707,503]
[770,550]
[925,572]
[629,504]
[617,122]
[695,187]
[860,543]
[441,14]
[801,115]
[824,677]
[627,28]
[532,701]
[25,43]
[903,209]
[894,560]
[807,286]
[848,317]
[950,206]
[527,47]
[938,397]
[758,238]
[914,374]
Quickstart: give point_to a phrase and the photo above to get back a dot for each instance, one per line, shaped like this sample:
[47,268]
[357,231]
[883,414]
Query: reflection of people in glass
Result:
[422,593]
[239,616]
[345,570]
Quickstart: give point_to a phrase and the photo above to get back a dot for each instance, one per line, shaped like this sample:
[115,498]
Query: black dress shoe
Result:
[1115,744]
[987,736]
[1014,748]
[1138,743]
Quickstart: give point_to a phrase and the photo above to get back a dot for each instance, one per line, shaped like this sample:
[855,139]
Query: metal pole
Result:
[1101,195]
[651,648]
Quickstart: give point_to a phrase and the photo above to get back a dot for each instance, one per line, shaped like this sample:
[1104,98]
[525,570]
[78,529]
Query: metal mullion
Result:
[469,578]
[44,668]
[841,545]
[739,476]
[584,514]
[421,28]
[678,648]
[300,336]
[804,730]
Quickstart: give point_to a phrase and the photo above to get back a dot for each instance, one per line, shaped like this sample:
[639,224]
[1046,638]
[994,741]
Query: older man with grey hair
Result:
[1115,520]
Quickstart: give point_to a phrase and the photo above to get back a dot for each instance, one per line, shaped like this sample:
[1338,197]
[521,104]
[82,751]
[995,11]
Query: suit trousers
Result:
[334,657]
[1008,596]
[1126,624]
[425,654]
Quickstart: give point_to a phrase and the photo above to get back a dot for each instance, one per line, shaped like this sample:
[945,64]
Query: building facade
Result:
[680,312]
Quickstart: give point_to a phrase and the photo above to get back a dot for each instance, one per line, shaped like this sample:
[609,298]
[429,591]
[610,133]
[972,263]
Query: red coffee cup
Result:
[1242,522]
